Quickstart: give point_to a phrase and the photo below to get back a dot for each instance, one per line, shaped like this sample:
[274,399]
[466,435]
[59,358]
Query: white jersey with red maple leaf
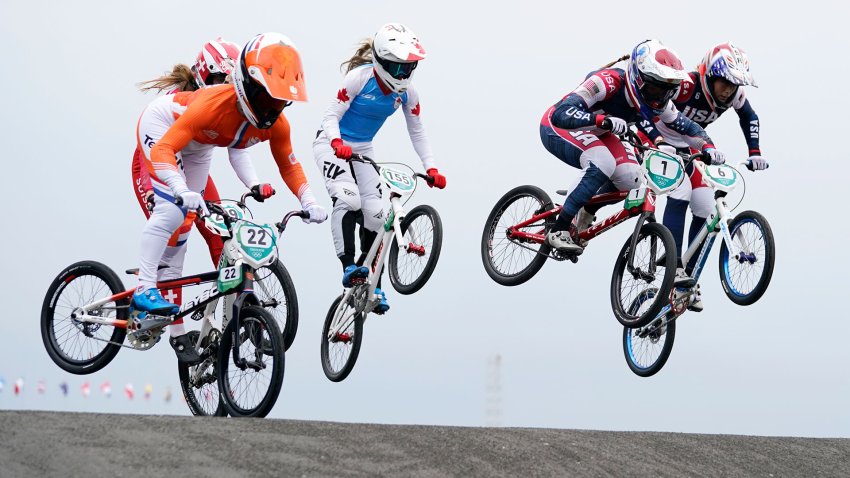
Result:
[363,104]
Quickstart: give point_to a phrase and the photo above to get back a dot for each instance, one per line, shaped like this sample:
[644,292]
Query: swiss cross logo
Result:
[342,96]
[416,109]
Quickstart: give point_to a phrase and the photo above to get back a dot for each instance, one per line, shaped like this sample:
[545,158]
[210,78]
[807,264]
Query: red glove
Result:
[261,192]
[439,181]
[341,151]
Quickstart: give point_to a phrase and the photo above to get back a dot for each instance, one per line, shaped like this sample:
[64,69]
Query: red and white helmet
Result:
[652,76]
[396,51]
[215,61]
[724,61]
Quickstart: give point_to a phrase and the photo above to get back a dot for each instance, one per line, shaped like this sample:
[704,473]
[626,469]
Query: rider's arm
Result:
[749,121]
[692,133]
[290,169]
[574,110]
[241,163]
[164,152]
[416,130]
[351,86]
[646,127]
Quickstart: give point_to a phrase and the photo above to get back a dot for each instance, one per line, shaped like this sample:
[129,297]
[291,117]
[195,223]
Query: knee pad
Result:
[601,157]
[683,192]
[702,202]
[345,195]
[626,176]
[373,214]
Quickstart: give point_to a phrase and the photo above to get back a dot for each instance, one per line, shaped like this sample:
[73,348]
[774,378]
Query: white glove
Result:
[193,201]
[757,163]
[317,213]
[618,125]
[717,157]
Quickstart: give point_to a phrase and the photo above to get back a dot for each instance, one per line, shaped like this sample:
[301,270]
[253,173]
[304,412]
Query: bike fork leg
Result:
[635,235]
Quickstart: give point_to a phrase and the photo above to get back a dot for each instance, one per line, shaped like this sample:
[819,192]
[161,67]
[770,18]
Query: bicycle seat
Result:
[561,192]
[135,272]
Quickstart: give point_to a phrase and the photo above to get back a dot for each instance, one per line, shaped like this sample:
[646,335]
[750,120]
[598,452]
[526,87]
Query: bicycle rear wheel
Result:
[423,233]
[654,241]
[78,347]
[275,290]
[200,382]
[746,279]
[508,261]
[250,387]
[340,350]
[647,348]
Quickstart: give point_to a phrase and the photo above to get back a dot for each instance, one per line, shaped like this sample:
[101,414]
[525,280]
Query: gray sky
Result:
[778,367]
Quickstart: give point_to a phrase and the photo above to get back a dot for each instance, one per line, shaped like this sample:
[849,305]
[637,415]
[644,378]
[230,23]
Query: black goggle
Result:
[215,79]
[399,71]
[657,95]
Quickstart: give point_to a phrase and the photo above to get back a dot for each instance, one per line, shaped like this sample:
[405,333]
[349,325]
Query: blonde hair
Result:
[618,60]
[362,56]
[181,77]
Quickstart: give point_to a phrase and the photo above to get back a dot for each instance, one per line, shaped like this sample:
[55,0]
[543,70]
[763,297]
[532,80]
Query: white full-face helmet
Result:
[396,51]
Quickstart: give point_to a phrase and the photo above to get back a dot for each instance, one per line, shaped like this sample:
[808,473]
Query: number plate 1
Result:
[663,172]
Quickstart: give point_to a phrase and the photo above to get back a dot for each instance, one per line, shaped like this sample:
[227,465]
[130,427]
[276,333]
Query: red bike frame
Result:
[647,208]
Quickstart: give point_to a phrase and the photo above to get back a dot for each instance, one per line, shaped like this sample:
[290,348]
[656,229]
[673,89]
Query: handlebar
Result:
[281,226]
[365,159]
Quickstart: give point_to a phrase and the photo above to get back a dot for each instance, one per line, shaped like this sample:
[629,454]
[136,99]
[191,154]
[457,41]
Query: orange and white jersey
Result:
[184,127]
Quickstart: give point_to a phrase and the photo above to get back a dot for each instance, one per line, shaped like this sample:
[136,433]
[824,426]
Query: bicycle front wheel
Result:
[745,279]
[82,347]
[423,235]
[249,386]
[199,383]
[273,286]
[648,348]
[654,268]
[342,335]
[511,261]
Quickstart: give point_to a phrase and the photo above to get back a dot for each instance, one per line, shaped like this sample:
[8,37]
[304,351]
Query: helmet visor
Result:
[399,71]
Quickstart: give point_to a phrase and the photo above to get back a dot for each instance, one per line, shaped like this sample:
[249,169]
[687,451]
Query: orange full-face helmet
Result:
[269,78]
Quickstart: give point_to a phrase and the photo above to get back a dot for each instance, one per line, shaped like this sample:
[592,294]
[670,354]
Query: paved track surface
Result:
[69,444]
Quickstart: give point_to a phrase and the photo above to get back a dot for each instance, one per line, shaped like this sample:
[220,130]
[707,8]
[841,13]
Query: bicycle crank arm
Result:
[94,319]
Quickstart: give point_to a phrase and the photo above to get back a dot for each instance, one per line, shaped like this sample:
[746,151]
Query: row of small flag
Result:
[85,389]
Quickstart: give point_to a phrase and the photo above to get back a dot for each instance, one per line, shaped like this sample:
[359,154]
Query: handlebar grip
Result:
[178,201]
[606,124]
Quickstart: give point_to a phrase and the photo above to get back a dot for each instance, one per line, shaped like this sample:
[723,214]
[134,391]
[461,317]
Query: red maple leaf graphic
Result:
[342,96]
[416,109]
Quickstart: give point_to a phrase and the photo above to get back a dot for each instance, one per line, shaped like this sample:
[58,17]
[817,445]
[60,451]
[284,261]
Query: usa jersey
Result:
[691,101]
[603,93]
[363,105]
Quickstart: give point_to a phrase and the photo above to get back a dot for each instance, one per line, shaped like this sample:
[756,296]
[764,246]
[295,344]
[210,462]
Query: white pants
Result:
[353,186]
[165,234]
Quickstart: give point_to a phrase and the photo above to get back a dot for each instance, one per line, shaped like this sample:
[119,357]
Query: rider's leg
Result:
[579,149]
[345,197]
[166,216]
[373,217]
[674,220]
[702,205]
